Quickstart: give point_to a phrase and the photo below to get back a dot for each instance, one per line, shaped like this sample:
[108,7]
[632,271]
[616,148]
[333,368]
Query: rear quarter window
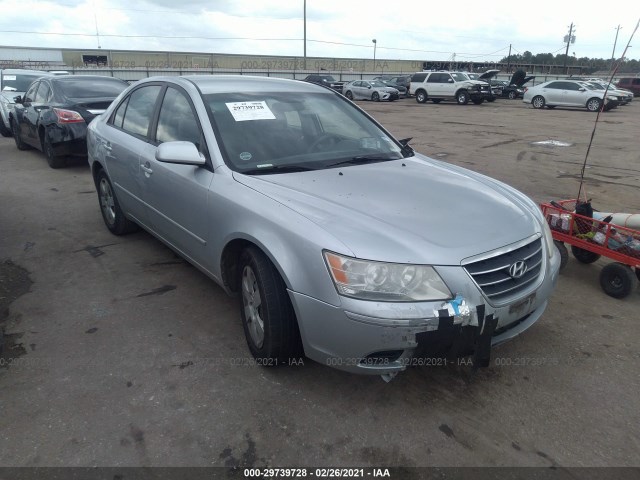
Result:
[418,77]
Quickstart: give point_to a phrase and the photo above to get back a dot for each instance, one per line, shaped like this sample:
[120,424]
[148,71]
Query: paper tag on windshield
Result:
[243,111]
[9,77]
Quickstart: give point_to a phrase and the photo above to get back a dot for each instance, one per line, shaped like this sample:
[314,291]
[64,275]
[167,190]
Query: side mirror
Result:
[450,80]
[184,153]
[369,86]
[582,89]
[17,99]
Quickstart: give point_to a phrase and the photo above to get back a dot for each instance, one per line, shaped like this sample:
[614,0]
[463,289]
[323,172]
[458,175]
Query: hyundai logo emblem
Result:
[517,269]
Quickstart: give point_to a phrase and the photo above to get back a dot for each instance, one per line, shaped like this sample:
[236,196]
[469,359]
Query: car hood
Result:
[489,74]
[415,210]
[386,89]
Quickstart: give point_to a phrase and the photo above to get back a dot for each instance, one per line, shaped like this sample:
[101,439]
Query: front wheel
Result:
[421,96]
[349,95]
[20,145]
[268,318]
[112,215]
[564,253]
[462,98]
[594,104]
[512,95]
[538,102]
[618,280]
[375,97]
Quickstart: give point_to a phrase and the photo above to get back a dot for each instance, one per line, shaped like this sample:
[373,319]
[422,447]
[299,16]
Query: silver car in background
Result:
[369,90]
[569,93]
[343,243]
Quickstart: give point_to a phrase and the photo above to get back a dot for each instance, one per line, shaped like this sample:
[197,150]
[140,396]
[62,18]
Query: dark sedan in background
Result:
[54,113]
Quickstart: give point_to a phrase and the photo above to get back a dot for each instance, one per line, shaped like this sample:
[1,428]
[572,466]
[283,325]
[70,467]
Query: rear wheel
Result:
[17,138]
[54,161]
[538,102]
[618,280]
[462,97]
[268,318]
[375,97]
[594,104]
[584,256]
[421,96]
[6,132]
[349,95]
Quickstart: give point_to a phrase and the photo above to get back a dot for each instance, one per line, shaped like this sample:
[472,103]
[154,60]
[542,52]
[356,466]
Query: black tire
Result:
[112,214]
[436,100]
[491,99]
[584,256]
[270,327]
[375,96]
[594,104]
[538,101]
[478,101]
[462,97]
[618,280]
[564,253]
[20,145]
[421,96]
[512,95]
[349,95]
[638,273]
[54,161]
[4,131]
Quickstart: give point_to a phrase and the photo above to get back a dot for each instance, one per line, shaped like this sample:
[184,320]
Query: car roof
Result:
[239,83]
[15,71]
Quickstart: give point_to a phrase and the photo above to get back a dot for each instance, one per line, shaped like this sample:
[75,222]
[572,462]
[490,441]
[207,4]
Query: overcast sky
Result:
[410,29]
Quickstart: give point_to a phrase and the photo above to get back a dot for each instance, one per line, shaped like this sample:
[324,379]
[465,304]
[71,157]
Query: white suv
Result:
[438,86]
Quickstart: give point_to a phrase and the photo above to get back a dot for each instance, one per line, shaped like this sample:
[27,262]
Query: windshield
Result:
[473,76]
[17,82]
[267,132]
[459,77]
[91,88]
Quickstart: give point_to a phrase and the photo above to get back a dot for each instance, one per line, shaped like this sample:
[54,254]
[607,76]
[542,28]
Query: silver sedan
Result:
[342,243]
[369,90]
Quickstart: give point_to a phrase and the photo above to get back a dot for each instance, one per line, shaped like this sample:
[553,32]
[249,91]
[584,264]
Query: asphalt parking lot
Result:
[119,353]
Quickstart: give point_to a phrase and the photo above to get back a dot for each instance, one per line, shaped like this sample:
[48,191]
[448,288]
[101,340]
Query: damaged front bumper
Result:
[383,338]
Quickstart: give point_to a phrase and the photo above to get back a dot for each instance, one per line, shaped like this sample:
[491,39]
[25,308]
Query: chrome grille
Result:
[492,274]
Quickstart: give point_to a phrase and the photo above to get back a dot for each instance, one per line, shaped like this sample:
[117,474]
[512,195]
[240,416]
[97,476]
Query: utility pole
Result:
[305,35]
[375,44]
[509,59]
[570,39]
[613,54]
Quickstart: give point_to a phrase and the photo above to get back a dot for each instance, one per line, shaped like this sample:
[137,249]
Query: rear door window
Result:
[139,112]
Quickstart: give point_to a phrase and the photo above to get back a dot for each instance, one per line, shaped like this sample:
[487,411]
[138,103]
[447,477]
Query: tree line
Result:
[589,65]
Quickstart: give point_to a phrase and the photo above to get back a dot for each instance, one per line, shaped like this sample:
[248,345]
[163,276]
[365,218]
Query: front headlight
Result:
[385,282]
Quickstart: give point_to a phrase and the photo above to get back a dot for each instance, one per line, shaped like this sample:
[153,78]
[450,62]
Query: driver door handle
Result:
[146,168]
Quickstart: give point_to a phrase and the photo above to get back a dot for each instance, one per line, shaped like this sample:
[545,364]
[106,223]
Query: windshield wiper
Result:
[361,159]
[277,169]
